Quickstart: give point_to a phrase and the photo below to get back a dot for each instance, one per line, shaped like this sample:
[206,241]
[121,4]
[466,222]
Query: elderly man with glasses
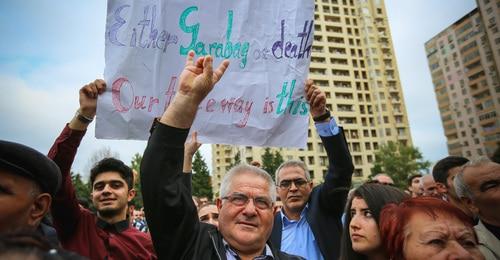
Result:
[247,195]
[309,224]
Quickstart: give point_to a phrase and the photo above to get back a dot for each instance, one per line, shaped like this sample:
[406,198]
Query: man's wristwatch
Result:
[82,118]
[322,117]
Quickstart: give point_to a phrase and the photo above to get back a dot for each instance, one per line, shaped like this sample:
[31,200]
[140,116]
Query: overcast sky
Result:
[50,48]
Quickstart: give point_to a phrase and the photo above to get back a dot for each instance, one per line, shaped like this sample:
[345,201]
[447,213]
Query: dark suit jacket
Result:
[327,200]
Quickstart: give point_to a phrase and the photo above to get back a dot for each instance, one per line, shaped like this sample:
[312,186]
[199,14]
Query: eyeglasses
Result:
[299,183]
[240,200]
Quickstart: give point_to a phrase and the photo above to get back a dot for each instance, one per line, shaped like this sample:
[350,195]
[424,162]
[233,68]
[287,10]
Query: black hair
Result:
[112,165]
[376,197]
[440,170]
[413,176]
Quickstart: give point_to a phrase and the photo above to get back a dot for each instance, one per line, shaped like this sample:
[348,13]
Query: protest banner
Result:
[259,101]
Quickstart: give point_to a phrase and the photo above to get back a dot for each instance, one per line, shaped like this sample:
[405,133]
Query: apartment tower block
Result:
[353,61]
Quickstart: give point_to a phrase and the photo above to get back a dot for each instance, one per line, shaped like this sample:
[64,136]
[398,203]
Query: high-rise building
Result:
[353,61]
[464,63]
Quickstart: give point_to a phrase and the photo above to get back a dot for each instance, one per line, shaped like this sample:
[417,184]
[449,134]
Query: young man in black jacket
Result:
[246,205]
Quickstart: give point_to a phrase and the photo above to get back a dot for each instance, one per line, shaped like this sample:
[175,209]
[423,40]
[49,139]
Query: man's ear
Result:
[39,208]
[218,203]
[131,195]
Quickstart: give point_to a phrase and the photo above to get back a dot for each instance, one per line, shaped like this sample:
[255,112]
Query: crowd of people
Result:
[453,213]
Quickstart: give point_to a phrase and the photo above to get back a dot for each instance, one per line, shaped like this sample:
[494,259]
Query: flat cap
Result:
[27,162]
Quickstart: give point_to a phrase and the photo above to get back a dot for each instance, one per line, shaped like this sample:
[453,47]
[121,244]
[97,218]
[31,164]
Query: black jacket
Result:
[172,217]
[327,201]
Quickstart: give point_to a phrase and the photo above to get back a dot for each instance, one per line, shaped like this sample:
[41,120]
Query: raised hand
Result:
[88,97]
[316,99]
[198,78]
[196,81]
[190,148]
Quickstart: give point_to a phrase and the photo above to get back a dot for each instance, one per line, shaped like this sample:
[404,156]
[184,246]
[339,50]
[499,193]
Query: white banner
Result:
[259,100]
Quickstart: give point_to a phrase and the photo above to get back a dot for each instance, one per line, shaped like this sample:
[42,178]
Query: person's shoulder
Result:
[205,227]
[315,192]
[132,231]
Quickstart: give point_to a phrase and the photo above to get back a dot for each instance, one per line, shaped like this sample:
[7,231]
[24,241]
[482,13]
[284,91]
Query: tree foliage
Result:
[399,162]
[278,159]
[82,189]
[236,161]
[201,183]
[135,164]
[271,162]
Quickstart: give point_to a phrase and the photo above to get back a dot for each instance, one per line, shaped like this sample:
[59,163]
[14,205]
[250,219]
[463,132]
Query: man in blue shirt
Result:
[309,224]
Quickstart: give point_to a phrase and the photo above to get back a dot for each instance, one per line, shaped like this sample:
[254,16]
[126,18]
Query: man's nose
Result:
[250,209]
[213,221]
[293,186]
[106,189]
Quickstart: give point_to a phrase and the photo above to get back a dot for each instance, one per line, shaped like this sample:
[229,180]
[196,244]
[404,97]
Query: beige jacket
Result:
[488,243]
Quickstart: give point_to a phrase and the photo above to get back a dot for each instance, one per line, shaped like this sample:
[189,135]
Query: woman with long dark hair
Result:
[361,236]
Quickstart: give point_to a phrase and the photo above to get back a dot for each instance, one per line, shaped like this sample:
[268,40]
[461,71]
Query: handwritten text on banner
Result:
[259,101]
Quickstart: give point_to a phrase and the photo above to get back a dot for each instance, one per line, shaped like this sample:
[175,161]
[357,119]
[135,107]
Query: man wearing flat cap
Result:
[28,182]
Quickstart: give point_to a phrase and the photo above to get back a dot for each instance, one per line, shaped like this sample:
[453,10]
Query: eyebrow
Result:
[110,181]
[363,209]
[294,179]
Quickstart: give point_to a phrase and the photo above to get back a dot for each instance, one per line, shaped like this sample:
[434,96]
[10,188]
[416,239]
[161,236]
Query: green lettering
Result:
[194,29]
[244,53]
[281,96]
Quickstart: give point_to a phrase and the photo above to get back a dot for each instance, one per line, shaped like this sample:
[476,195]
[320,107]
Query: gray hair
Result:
[293,163]
[246,169]
[461,188]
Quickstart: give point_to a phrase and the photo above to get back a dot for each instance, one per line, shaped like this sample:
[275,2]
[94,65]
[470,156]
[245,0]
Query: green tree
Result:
[236,161]
[278,159]
[82,189]
[399,162]
[271,162]
[268,161]
[201,183]
[135,164]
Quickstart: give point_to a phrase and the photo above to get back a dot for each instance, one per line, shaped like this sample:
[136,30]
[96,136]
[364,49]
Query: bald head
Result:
[429,186]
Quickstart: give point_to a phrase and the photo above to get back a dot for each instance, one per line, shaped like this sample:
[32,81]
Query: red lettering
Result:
[170,93]
[116,94]
[210,105]
[139,102]
[152,101]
